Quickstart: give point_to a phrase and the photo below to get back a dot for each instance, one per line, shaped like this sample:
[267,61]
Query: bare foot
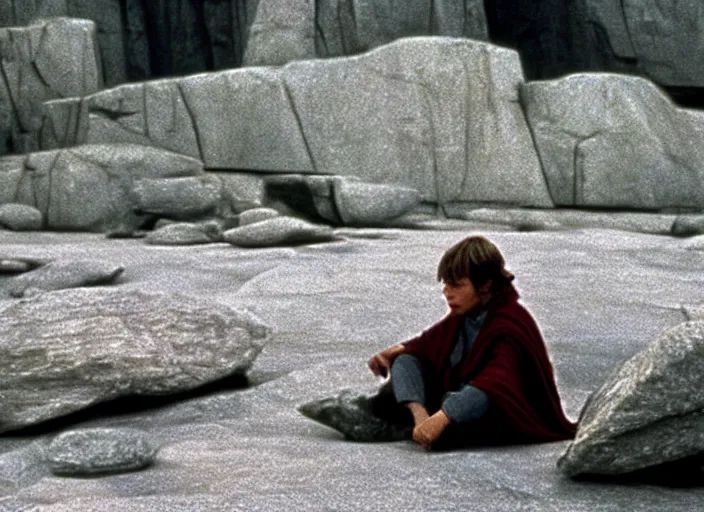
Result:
[430,430]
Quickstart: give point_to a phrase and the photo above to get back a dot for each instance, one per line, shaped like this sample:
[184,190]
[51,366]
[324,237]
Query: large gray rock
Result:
[53,59]
[391,116]
[90,188]
[20,217]
[94,451]
[278,231]
[616,141]
[648,412]
[366,204]
[394,116]
[66,350]
[281,32]
[178,198]
[57,275]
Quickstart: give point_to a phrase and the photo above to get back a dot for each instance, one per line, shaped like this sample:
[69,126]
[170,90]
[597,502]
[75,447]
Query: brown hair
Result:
[477,259]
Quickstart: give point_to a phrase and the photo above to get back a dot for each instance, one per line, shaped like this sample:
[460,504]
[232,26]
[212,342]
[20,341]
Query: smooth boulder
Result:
[185,233]
[650,411]
[255,215]
[278,231]
[20,217]
[58,275]
[95,451]
[370,204]
[178,198]
[64,351]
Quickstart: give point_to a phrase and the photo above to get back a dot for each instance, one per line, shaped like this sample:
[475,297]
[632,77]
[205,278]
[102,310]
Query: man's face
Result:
[461,296]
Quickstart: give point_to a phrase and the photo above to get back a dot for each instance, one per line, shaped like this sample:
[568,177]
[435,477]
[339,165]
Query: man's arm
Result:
[380,363]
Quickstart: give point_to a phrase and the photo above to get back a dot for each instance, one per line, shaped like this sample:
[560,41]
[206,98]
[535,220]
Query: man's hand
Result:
[430,430]
[380,363]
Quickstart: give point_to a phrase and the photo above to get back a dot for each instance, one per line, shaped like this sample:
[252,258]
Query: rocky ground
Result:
[599,296]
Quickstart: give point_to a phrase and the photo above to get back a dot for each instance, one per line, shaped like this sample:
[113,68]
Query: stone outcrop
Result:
[616,141]
[661,40]
[284,31]
[365,204]
[649,411]
[139,40]
[91,187]
[278,231]
[95,451]
[53,59]
[20,217]
[58,275]
[178,198]
[439,115]
[64,351]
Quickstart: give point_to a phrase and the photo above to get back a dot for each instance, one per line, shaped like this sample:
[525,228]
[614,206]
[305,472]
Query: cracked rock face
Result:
[64,351]
[616,141]
[439,115]
[54,59]
[100,450]
[91,187]
[649,411]
[663,37]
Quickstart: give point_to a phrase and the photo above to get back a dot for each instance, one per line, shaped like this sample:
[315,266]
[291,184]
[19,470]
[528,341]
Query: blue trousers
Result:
[413,380]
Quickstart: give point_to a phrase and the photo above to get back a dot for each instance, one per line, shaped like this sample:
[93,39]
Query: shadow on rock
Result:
[685,473]
[128,405]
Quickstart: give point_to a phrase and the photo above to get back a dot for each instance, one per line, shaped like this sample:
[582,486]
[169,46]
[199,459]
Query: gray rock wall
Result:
[56,59]
[440,115]
[658,39]
[616,141]
[663,37]
[91,187]
[139,40]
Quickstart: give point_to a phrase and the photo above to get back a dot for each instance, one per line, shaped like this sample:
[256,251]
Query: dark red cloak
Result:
[510,363]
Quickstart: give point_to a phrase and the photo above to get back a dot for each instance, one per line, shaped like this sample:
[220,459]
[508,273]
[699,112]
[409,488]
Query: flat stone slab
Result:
[58,275]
